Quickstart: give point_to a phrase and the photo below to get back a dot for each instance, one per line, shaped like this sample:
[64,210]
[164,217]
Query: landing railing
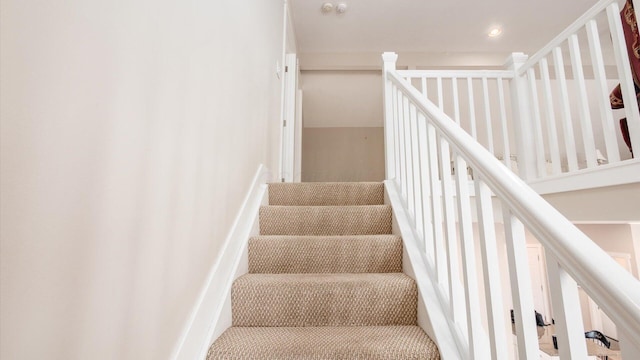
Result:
[478,101]
[425,150]
[597,125]
[548,117]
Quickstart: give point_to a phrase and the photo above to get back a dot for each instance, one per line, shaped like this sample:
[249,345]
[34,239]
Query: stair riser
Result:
[324,302]
[324,343]
[294,254]
[325,194]
[325,220]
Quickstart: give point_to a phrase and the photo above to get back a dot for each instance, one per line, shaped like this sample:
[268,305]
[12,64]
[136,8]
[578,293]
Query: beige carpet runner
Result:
[325,281]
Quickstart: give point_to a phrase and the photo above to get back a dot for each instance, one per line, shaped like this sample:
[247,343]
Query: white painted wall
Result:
[129,139]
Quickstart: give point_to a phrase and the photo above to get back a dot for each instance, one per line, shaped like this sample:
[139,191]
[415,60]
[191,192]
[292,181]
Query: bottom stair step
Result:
[320,343]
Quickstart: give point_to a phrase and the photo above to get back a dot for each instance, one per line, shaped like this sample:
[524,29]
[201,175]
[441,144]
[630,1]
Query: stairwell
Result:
[325,281]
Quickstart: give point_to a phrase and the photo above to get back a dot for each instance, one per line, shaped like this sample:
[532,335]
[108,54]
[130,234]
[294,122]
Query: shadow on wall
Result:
[343,154]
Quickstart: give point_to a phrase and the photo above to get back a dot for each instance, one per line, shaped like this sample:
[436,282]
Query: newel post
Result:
[522,123]
[389,64]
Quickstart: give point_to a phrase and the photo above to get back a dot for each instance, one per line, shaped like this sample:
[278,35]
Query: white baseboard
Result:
[211,313]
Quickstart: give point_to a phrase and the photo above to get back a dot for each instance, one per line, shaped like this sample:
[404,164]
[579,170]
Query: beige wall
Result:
[342,98]
[612,204]
[343,154]
[614,238]
[343,137]
[124,160]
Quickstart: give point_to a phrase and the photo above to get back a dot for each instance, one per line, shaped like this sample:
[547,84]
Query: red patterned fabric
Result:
[632,39]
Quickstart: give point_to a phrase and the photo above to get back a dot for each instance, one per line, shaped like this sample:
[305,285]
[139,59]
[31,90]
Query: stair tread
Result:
[320,343]
[324,299]
[326,193]
[325,220]
[325,254]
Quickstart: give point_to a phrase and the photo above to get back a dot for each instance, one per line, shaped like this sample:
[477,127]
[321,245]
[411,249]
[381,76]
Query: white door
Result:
[538,281]
[289,121]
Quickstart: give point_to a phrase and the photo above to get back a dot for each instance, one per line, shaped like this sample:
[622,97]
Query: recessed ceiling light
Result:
[495,31]
[327,8]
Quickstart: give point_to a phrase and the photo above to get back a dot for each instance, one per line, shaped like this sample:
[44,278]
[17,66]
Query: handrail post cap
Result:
[389,57]
[515,59]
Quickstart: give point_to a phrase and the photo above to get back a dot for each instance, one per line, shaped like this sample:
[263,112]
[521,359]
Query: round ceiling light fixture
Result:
[495,31]
[341,8]
[327,8]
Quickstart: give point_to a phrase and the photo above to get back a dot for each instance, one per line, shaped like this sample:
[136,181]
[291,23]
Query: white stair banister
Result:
[610,286]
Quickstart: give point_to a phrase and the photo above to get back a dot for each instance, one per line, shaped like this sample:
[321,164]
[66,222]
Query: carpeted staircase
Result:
[325,281]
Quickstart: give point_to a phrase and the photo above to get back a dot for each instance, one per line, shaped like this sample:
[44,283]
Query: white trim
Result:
[297,141]
[432,318]
[211,312]
[625,172]
[289,130]
[607,222]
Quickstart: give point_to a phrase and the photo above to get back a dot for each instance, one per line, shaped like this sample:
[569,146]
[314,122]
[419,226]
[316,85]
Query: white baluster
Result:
[436,208]
[606,116]
[424,88]
[450,235]
[583,101]
[472,108]
[490,261]
[440,96]
[567,124]
[478,348]
[425,182]
[456,100]
[407,150]
[549,114]
[465,225]
[520,286]
[403,163]
[506,148]
[566,311]
[415,169]
[487,114]
[537,124]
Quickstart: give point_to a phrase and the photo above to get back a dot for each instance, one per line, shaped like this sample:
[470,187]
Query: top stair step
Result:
[326,194]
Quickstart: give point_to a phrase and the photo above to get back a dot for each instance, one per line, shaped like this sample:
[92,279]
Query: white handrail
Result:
[586,23]
[475,74]
[541,106]
[613,288]
[564,35]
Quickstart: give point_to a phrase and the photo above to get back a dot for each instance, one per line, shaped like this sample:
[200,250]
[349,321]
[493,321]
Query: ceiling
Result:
[431,26]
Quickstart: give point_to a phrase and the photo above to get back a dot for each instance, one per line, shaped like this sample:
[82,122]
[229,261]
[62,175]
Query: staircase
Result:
[325,281]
